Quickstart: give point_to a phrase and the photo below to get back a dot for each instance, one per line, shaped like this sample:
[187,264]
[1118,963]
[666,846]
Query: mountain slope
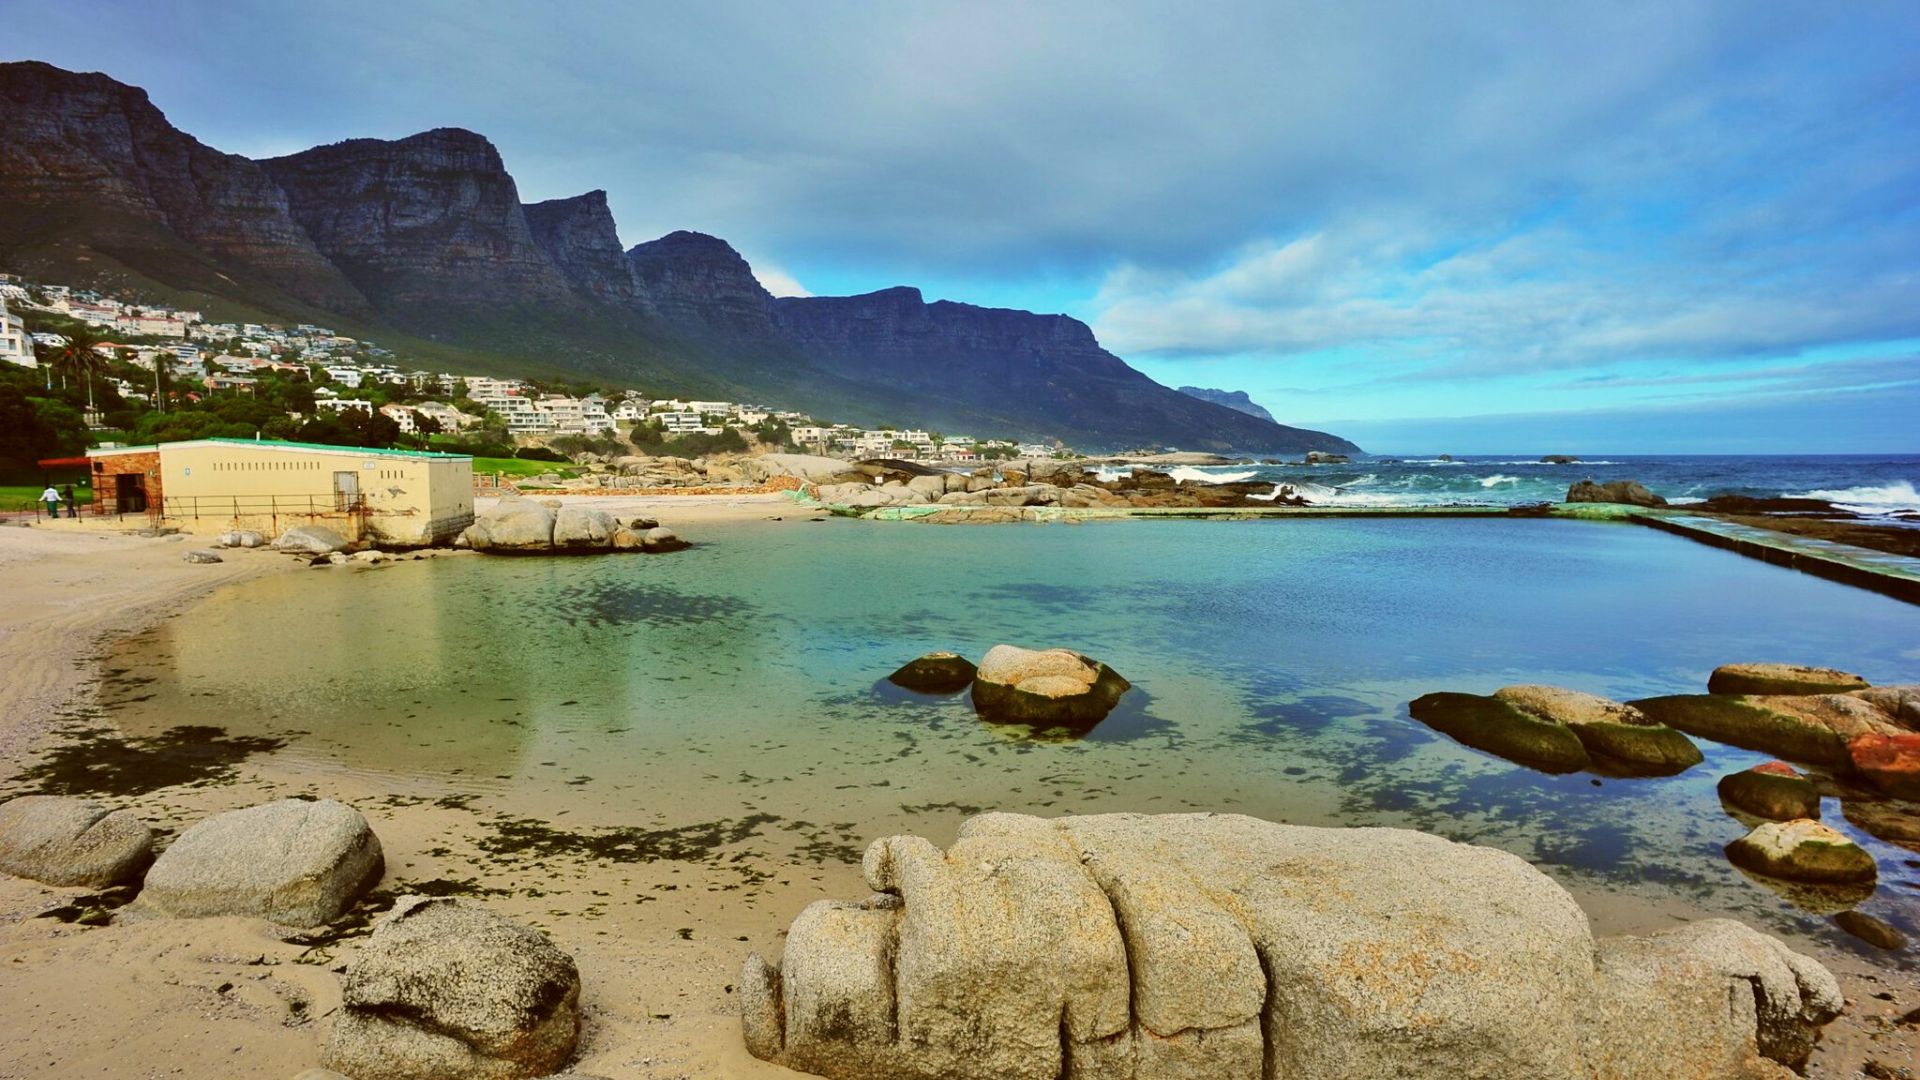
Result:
[424,241]
[1237,400]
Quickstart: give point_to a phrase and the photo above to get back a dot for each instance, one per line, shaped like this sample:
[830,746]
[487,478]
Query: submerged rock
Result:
[1781,679]
[1607,728]
[1774,791]
[310,540]
[444,989]
[1214,946]
[65,841]
[1889,762]
[294,862]
[1813,729]
[1493,725]
[1045,687]
[1802,850]
[935,673]
[1876,932]
[1898,823]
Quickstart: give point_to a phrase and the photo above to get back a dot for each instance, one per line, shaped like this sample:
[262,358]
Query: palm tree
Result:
[80,359]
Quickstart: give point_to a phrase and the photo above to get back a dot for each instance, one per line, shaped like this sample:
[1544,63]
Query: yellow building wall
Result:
[400,499]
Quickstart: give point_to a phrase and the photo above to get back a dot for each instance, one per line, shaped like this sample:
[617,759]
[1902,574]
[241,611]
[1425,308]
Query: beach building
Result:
[398,497]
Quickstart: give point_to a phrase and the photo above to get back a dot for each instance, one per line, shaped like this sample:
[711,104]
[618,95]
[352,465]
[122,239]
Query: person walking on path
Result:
[73,508]
[52,499]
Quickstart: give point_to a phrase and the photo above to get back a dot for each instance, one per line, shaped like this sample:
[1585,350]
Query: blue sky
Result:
[1477,227]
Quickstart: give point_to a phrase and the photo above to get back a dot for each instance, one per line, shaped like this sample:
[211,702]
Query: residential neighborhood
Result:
[159,357]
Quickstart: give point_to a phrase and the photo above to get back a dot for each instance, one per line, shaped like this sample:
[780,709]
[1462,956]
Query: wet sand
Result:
[659,941]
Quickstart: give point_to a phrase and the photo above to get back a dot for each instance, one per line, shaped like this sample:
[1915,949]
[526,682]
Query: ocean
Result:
[1880,485]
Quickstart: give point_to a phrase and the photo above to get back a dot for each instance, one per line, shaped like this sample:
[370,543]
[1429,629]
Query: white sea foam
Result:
[1875,499]
[1194,472]
[1497,479]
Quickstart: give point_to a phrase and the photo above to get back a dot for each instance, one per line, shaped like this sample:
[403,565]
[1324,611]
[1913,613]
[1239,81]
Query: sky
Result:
[1681,226]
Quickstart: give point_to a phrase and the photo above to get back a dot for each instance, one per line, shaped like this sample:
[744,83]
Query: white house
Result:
[15,346]
[680,423]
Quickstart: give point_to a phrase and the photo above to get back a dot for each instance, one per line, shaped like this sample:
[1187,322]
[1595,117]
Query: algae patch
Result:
[99,761]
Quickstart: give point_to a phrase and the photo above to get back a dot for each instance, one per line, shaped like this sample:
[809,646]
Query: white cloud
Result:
[778,281]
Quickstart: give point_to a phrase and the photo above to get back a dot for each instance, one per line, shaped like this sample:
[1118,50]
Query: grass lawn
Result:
[24,496]
[519,467]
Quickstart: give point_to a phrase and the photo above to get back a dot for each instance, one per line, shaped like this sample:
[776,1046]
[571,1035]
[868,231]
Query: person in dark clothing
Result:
[66,494]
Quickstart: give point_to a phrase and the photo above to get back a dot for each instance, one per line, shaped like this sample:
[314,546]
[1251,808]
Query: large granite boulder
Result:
[1900,703]
[294,862]
[807,467]
[515,525]
[72,842]
[1888,762]
[661,539]
[310,540]
[1626,492]
[1498,727]
[583,529]
[1811,728]
[1608,729]
[1781,679]
[935,673]
[444,989]
[1055,687]
[1221,946]
[1774,791]
[1802,850]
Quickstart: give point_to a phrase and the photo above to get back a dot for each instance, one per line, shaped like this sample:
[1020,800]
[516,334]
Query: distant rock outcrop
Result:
[1237,400]
[700,283]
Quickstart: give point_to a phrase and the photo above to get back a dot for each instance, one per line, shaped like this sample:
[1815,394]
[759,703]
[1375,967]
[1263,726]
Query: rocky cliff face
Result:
[579,236]
[1237,400]
[421,224]
[89,162]
[1036,366]
[699,282]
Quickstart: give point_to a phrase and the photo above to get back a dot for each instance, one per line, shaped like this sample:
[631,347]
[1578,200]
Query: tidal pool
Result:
[723,710]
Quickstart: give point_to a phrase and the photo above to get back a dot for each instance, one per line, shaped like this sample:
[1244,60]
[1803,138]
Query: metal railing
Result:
[196,507]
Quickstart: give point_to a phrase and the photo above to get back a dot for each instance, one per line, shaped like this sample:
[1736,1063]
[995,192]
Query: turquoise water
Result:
[734,693]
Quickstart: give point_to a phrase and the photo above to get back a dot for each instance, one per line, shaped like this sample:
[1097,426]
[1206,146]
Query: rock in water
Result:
[294,862]
[935,673]
[514,525]
[1802,851]
[72,842]
[310,540]
[1606,728]
[447,990]
[1781,679]
[1045,687]
[660,539]
[1221,946]
[1876,932]
[1774,791]
[1813,728]
[1493,725]
[1889,762]
[1626,492]
[580,528]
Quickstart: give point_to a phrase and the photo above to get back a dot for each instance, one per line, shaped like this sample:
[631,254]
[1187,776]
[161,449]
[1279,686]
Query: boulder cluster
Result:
[1221,946]
[1865,739]
[1624,492]
[520,526]
[442,989]
[1041,688]
[987,493]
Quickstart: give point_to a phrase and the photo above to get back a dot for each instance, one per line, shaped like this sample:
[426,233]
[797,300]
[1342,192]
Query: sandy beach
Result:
[658,943]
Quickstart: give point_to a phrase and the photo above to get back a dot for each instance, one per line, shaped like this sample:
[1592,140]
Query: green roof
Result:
[336,449]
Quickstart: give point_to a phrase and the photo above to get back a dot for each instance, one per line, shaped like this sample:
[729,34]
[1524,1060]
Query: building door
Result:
[129,494]
[346,490]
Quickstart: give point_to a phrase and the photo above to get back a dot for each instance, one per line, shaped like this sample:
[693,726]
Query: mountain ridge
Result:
[427,235]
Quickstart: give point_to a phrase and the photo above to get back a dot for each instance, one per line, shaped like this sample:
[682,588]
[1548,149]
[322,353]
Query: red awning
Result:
[63,463]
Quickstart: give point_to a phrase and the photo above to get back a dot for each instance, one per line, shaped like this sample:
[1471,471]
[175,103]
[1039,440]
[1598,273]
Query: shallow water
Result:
[724,706]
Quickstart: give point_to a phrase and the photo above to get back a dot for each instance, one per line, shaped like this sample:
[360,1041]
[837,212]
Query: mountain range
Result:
[1237,400]
[424,242]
